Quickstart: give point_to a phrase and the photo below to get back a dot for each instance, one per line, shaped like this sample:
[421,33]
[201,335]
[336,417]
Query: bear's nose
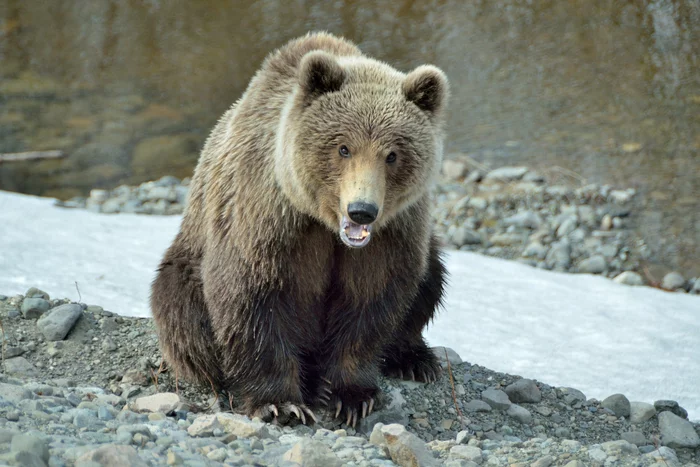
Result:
[363,213]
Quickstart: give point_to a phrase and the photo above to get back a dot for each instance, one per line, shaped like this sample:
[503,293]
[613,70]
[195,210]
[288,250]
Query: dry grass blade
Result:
[80,297]
[4,344]
[454,393]
[216,394]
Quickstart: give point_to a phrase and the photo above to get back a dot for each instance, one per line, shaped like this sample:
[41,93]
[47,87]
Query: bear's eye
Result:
[344,151]
[391,158]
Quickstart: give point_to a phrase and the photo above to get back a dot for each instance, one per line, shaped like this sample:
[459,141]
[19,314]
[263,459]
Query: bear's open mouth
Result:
[354,235]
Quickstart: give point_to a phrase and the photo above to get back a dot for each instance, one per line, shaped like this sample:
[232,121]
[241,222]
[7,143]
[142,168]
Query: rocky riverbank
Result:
[509,212]
[84,386]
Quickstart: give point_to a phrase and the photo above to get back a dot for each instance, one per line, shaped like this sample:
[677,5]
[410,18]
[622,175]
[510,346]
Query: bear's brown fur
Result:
[262,292]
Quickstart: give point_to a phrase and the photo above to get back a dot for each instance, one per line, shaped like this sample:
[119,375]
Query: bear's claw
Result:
[287,408]
[351,413]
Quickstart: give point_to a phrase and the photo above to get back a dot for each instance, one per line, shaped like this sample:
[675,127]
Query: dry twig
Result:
[80,297]
[454,393]
[4,345]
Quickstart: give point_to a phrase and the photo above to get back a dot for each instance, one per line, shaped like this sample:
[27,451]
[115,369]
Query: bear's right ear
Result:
[319,73]
[428,88]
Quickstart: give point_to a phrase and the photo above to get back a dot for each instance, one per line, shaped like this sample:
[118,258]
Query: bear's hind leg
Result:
[180,314]
[407,355]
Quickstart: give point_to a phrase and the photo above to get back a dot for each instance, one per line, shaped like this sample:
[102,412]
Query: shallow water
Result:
[129,90]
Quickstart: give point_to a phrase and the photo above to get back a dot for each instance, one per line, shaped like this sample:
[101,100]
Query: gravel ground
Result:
[82,386]
[509,212]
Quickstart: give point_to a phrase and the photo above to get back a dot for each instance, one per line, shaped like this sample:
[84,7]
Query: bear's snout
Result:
[363,213]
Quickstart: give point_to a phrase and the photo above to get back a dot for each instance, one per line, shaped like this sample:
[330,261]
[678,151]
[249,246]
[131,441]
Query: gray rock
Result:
[476,405]
[507,239]
[641,412]
[567,226]
[167,180]
[525,219]
[619,448]
[14,394]
[219,455]
[19,366]
[12,352]
[393,413]
[405,448]
[204,425]
[112,455]
[84,418]
[474,176]
[468,453]
[496,398]
[535,250]
[695,287]
[33,292]
[520,414]
[164,402]
[594,265]
[23,458]
[99,196]
[7,435]
[104,413]
[312,453]
[523,390]
[634,437]
[453,356]
[545,461]
[677,432]
[30,443]
[618,404]
[559,256]
[572,396]
[133,430]
[161,193]
[108,345]
[629,278]
[673,281]
[464,236]
[56,324]
[241,426]
[507,174]
[33,308]
[478,203]
[534,177]
[671,406]
[663,453]
[112,206]
[453,170]
[597,454]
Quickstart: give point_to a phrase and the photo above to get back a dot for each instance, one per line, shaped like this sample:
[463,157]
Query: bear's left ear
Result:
[428,88]
[319,73]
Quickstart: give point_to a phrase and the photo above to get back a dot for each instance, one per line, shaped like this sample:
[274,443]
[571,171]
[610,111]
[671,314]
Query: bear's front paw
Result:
[354,401]
[284,410]
[417,365]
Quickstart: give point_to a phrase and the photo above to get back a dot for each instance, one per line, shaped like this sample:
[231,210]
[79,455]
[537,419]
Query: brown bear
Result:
[305,264]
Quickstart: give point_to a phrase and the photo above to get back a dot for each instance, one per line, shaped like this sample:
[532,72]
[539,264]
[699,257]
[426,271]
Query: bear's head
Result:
[359,141]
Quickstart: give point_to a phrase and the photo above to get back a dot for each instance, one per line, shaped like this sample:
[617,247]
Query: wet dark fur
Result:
[258,298]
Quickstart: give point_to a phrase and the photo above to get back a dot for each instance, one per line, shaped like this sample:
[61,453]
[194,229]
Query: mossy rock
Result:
[98,152]
[63,194]
[96,176]
[166,155]
[29,84]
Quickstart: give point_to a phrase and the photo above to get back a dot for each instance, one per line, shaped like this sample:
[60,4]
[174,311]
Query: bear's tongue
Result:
[354,235]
